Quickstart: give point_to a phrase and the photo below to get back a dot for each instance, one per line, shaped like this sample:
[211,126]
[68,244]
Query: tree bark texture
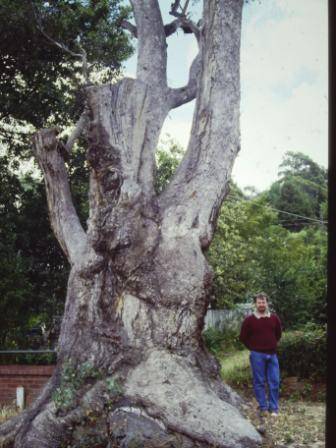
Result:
[132,368]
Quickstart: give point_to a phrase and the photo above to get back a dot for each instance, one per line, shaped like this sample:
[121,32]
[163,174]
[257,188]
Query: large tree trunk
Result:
[132,368]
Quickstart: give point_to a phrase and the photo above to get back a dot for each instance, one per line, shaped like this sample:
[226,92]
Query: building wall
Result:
[32,378]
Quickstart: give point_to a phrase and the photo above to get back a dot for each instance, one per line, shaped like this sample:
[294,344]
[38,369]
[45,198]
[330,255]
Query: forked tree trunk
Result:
[132,368]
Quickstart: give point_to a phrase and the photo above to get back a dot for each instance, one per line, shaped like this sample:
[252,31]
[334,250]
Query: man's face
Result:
[261,305]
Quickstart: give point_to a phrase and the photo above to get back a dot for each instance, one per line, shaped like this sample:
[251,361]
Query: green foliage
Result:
[40,83]
[226,340]
[235,369]
[303,353]
[301,190]
[233,254]
[28,359]
[253,251]
[33,270]
[214,340]
[15,287]
[72,379]
[113,386]
[168,156]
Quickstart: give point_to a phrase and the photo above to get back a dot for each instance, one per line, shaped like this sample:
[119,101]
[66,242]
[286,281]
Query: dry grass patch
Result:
[300,424]
[7,411]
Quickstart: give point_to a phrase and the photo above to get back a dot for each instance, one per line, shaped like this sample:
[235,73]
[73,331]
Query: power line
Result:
[282,211]
[299,216]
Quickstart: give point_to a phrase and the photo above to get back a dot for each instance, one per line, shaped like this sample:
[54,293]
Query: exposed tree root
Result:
[164,402]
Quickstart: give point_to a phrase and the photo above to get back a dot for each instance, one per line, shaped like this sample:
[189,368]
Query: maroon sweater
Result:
[261,335]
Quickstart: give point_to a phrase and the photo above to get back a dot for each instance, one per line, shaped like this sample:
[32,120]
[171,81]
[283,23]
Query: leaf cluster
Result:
[258,247]
[311,342]
[40,82]
[72,379]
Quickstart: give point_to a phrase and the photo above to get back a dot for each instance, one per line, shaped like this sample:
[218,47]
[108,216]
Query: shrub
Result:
[28,358]
[219,341]
[303,353]
[213,339]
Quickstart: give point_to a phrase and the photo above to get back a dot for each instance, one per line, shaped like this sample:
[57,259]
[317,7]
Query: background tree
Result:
[168,157]
[130,347]
[41,82]
[301,189]
[43,47]
[15,287]
[257,247]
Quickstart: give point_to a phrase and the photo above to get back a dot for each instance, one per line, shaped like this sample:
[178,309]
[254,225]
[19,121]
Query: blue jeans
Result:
[265,369]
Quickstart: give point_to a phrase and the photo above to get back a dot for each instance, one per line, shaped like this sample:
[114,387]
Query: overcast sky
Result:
[284,85]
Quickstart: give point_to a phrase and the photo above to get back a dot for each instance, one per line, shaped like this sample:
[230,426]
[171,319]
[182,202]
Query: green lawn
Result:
[235,368]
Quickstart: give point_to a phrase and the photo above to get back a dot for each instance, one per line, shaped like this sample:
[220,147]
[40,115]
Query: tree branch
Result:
[59,44]
[63,216]
[194,196]
[183,95]
[174,7]
[182,20]
[129,27]
[171,27]
[152,51]
[82,55]
[187,25]
[76,133]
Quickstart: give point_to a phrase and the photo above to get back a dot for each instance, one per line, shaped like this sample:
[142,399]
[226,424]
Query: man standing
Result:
[260,333]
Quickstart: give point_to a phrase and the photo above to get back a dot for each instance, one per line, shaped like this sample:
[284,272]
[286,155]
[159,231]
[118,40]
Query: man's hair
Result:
[260,295]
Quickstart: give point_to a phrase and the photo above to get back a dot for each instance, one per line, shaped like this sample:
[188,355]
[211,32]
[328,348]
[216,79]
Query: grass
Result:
[235,368]
[6,412]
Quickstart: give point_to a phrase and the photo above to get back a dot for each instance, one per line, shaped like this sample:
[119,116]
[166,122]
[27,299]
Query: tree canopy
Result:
[301,190]
[276,241]
[43,46]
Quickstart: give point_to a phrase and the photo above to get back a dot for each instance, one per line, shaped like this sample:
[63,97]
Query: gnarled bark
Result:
[131,361]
